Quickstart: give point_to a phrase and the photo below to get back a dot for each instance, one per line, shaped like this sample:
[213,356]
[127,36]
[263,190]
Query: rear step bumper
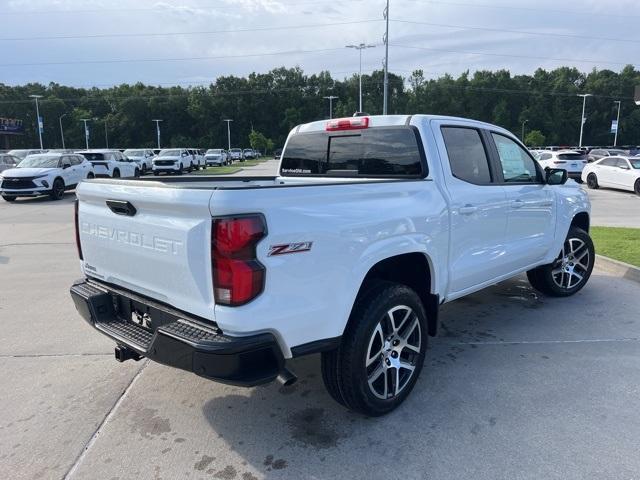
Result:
[178,341]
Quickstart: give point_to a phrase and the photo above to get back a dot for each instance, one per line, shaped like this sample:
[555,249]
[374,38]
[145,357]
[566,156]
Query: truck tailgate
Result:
[161,251]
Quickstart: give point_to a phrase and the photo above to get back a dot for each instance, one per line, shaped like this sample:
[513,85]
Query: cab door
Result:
[532,206]
[478,208]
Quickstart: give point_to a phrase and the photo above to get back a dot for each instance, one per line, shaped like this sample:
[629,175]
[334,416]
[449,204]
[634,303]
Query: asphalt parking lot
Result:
[516,386]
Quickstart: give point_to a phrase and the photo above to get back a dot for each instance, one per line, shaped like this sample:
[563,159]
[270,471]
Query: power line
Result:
[203,32]
[523,32]
[176,59]
[579,60]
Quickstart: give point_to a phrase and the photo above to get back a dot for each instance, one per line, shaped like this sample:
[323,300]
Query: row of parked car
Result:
[598,167]
[25,173]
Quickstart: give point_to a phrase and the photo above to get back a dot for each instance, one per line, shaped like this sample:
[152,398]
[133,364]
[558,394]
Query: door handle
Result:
[467,209]
[517,204]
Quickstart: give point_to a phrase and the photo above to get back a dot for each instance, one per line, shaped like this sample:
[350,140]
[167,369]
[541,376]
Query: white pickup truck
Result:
[372,223]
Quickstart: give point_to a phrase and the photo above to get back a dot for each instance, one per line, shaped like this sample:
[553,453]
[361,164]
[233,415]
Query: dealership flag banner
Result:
[614,126]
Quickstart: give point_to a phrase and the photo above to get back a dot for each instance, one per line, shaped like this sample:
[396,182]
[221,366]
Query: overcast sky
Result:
[447,36]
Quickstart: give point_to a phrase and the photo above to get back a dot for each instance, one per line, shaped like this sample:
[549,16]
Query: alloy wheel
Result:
[393,352]
[571,267]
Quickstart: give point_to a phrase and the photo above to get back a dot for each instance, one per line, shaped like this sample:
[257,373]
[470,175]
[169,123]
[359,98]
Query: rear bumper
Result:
[577,176]
[175,339]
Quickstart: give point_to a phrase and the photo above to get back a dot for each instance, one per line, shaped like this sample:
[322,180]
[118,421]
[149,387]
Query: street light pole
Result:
[228,120]
[615,139]
[86,132]
[522,136]
[106,136]
[360,47]
[61,130]
[158,130]
[385,100]
[330,98]
[38,120]
[582,120]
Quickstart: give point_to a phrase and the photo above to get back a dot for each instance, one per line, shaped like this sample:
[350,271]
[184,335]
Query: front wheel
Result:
[136,173]
[570,272]
[57,191]
[636,187]
[381,353]
[155,174]
[592,181]
[8,198]
[116,173]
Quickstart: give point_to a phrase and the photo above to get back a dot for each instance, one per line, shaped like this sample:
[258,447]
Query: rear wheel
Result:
[382,351]
[568,273]
[57,191]
[636,187]
[592,181]
[136,173]
[8,198]
[90,175]
[144,169]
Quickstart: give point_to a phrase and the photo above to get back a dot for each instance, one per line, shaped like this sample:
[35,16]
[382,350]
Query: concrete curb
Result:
[616,267]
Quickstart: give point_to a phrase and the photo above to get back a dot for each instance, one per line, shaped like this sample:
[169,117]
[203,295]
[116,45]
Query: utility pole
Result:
[158,130]
[86,131]
[360,47]
[582,120]
[61,130]
[522,136]
[228,120]
[615,139]
[385,101]
[330,98]
[39,120]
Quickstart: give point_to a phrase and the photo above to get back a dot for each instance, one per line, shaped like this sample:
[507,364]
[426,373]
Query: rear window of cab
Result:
[374,152]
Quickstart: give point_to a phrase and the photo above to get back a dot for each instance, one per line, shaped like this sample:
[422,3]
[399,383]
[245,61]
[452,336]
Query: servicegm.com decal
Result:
[290,248]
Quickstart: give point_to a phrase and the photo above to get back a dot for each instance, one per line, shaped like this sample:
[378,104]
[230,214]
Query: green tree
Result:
[534,138]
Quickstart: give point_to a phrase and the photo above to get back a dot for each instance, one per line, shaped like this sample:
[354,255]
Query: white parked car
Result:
[143,157]
[111,163]
[236,154]
[571,161]
[198,158]
[44,174]
[371,225]
[216,157]
[172,160]
[248,153]
[23,153]
[8,161]
[614,172]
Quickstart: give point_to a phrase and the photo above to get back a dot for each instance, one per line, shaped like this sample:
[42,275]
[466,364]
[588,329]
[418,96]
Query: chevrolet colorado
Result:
[372,223]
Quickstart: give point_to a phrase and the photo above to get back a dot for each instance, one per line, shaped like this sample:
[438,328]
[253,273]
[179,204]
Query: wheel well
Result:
[581,220]
[59,178]
[412,270]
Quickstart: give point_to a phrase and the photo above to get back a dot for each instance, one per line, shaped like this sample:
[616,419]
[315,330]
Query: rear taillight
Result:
[350,123]
[238,276]
[77,225]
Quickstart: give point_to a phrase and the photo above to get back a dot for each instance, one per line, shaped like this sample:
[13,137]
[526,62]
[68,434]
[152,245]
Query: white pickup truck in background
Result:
[372,223]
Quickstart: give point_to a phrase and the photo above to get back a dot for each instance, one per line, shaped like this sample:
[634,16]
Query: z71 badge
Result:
[290,248]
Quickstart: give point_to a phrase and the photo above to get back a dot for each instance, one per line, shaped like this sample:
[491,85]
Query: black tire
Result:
[8,198]
[57,190]
[136,173]
[572,263]
[181,169]
[155,174]
[636,187]
[345,372]
[144,169]
[116,173]
[90,176]
[592,181]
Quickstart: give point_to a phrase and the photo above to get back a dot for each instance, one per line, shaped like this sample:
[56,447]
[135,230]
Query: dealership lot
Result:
[515,386]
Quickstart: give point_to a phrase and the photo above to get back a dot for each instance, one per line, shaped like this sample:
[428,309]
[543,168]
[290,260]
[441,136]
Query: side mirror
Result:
[556,176]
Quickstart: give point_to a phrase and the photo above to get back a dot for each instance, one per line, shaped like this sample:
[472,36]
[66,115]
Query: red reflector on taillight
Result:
[238,276]
[77,227]
[350,123]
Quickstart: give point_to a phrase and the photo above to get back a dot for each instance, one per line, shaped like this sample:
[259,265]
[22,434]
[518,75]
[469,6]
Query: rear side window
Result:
[375,152]
[93,156]
[609,162]
[467,156]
